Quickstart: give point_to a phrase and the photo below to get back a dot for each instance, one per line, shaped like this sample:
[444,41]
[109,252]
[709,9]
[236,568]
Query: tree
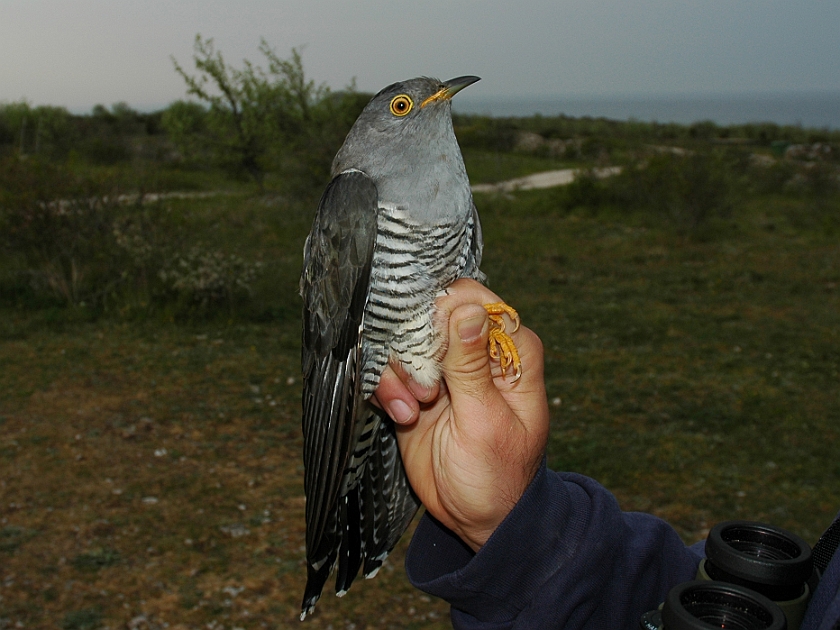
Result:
[185,123]
[43,130]
[260,119]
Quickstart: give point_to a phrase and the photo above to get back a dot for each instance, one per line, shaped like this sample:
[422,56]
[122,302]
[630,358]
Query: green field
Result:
[150,468]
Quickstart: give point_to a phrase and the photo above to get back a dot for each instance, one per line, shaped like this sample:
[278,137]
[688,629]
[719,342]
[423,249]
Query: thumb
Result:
[466,365]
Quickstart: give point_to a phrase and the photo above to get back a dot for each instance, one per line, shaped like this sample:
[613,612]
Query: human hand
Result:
[472,444]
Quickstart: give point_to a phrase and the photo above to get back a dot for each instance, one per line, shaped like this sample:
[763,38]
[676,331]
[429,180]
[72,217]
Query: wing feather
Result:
[334,286]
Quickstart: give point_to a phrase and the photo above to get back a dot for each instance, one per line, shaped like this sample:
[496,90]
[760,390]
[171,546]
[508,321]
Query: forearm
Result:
[565,557]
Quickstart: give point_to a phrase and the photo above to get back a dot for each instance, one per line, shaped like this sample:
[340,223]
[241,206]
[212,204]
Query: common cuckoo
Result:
[394,228]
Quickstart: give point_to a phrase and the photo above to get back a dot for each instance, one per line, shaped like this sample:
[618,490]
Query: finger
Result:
[420,392]
[396,398]
[466,365]
[460,292]
[489,408]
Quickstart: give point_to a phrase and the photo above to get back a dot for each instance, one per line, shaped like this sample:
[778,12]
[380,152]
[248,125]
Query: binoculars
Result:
[754,577]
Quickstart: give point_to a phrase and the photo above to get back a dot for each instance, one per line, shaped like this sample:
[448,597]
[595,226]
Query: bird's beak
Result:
[450,88]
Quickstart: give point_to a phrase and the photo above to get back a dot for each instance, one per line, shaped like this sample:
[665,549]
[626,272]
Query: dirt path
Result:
[547,179]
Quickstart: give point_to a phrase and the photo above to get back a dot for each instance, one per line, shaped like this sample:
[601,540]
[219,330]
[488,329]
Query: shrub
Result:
[78,242]
[186,124]
[208,277]
[57,226]
[259,120]
[44,131]
[482,132]
[688,189]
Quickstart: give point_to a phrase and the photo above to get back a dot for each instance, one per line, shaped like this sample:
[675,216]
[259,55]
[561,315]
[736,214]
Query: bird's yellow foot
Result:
[502,347]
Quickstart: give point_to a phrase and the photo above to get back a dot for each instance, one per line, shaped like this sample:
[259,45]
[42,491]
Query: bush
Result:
[586,191]
[261,120]
[207,277]
[57,228]
[76,241]
[688,189]
[818,179]
[482,132]
[43,131]
[186,124]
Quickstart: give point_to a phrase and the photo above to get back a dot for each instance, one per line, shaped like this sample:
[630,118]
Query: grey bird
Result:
[395,227]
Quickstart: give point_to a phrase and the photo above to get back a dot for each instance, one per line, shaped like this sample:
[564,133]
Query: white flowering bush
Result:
[132,237]
[209,276]
[79,242]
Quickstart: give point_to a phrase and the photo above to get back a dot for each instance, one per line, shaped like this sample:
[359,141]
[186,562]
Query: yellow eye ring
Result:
[401,105]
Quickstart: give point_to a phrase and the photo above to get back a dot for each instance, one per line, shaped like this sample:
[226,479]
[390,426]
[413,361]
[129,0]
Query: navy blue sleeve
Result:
[565,557]
[824,610]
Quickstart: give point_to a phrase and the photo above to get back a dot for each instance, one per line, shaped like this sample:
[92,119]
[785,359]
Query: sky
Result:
[78,53]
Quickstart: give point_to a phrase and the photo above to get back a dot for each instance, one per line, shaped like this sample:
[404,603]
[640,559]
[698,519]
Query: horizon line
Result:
[151,107]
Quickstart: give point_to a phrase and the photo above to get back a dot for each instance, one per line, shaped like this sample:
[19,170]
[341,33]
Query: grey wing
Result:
[334,286]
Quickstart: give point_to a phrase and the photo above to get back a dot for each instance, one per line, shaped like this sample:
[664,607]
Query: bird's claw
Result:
[501,345]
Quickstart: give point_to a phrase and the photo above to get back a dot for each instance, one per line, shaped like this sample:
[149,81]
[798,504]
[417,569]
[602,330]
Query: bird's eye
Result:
[401,105]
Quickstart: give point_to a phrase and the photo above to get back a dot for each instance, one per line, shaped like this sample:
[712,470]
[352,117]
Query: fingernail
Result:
[470,329]
[399,411]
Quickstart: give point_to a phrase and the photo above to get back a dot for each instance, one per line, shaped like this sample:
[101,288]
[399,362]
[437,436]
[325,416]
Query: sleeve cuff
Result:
[565,556]
[496,583]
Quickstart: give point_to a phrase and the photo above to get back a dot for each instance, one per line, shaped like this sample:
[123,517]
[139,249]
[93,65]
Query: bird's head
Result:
[406,126]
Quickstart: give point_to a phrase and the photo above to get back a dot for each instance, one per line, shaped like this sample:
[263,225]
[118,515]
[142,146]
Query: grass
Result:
[150,469]
[155,471]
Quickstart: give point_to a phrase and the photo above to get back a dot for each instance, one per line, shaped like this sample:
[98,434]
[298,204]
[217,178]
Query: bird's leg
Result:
[502,347]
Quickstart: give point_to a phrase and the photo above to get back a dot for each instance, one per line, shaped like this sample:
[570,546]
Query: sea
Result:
[820,110]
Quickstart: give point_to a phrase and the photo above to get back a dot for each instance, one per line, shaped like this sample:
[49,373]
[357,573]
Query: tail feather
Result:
[315,580]
[351,549]
[388,501]
[372,514]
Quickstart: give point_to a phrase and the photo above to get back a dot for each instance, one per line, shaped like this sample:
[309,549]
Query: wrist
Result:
[475,530]
[475,538]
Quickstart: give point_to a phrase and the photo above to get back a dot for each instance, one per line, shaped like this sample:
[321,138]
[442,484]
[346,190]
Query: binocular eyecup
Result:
[754,577]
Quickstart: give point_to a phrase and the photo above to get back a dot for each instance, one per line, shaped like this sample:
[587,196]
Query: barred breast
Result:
[412,265]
